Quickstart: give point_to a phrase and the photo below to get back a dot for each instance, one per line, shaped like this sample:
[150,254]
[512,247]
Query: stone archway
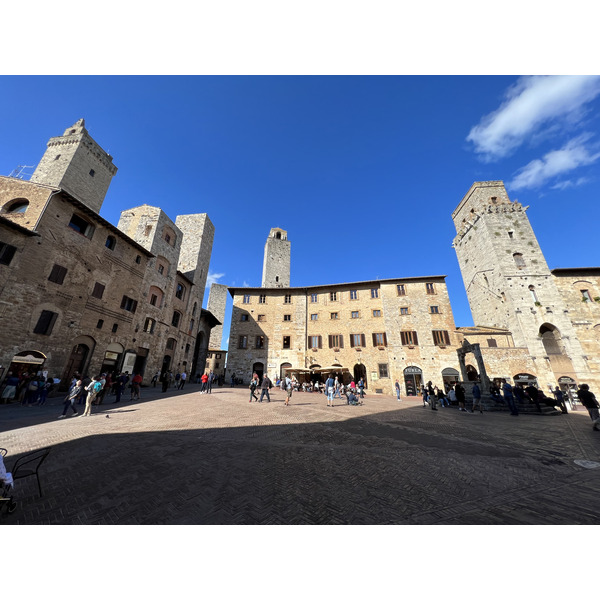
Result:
[360,371]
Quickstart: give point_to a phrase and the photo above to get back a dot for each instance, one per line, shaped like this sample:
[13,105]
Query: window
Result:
[111,242]
[355,314]
[161,268]
[314,317]
[260,341]
[404,310]
[409,338]
[171,343]
[153,299]
[510,234]
[57,157]
[243,342]
[333,296]
[334,315]
[534,295]
[92,172]
[194,308]
[286,341]
[376,313]
[434,310]
[115,327]
[128,304]
[19,205]
[430,288]
[585,295]
[98,290]
[147,230]
[440,338]
[246,299]
[176,318]
[46,322]
[191,327]
[315,341]
[6,253]
[187,348]
[57,275]
[383,370]
[169,236]
[180,291]
[374,293]
[217,355]
[262,299]
[149,325]
[287,317]
[401,290]
[138,259]
[379,339]
[314,298]
[261,318]
[244,317]
[353,294]
[357,340]
[80,225]
[336,341]
[492,343]
[99,323]
[216,365]
[518,258]
[288,299]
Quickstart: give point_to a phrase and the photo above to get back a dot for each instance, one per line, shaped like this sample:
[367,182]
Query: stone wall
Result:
[217,302]
[276,263]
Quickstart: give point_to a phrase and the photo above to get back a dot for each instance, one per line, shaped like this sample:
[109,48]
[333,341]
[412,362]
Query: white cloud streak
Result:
[532,103]
[572,155]
[213,278]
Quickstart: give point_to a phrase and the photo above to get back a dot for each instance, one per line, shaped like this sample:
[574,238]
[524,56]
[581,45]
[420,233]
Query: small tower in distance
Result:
[276,264]
[75,163]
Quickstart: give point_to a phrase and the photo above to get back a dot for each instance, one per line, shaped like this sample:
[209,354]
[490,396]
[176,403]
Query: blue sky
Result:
[362,171]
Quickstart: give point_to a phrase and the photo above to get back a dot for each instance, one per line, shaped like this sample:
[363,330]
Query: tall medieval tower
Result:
[217,302]
[508,282]
[276,264]
[75,163]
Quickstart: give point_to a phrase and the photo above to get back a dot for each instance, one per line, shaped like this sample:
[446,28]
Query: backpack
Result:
[97,387]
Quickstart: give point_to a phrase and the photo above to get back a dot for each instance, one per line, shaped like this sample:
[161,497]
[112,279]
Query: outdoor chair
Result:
[29,465]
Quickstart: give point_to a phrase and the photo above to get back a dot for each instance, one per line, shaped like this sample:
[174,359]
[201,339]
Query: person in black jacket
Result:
[589,401]
[265,386]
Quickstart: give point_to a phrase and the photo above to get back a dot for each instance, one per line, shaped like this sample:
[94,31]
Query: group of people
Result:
[28,388]
[332,388]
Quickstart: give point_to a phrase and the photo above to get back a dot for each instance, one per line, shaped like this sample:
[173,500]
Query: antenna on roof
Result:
[18,172]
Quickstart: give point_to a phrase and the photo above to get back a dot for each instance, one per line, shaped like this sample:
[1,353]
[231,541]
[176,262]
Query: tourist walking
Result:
[431,395]
[330,389]
[155,378]
[209,382]
[136,382]
[92,389]
[70,399]
[397,387]
[265,386]
[560,399]
[288,389]
[204,380]
[182,379]
[122,381]
[589,401]
[361,387]
[509,398]
[459,390]
[253,385]
[477,398]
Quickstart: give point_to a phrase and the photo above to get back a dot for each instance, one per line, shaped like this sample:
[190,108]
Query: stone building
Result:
[277,259]
[381,330]
[217,356]
[78,294]
[552,316]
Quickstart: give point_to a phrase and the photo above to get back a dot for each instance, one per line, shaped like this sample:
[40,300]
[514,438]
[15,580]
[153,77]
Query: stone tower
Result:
[217,301]
[508,281]
[77,164]
[276,264]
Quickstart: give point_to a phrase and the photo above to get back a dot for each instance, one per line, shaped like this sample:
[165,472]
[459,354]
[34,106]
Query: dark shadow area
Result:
[398,467]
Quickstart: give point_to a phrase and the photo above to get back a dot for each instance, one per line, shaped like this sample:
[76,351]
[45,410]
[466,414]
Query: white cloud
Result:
[558,162]
[246,284]
[532,103]
[569,183]
[213,278]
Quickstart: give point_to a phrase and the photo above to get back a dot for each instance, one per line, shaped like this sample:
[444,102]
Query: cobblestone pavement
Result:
[190,458]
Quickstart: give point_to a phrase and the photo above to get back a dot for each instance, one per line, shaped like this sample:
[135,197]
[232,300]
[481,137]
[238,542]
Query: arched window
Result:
[111,242]
[176,318]
[18,205]
[80,225]
[551,339]
[180,291]
[155,296]
[518,258]
[162,265]
[169,236]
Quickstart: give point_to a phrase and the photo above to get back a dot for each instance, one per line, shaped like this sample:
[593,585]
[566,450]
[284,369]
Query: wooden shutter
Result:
[374,339]
[351,340]
[320,342]
[341,338]
[362,340]
[384,338]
